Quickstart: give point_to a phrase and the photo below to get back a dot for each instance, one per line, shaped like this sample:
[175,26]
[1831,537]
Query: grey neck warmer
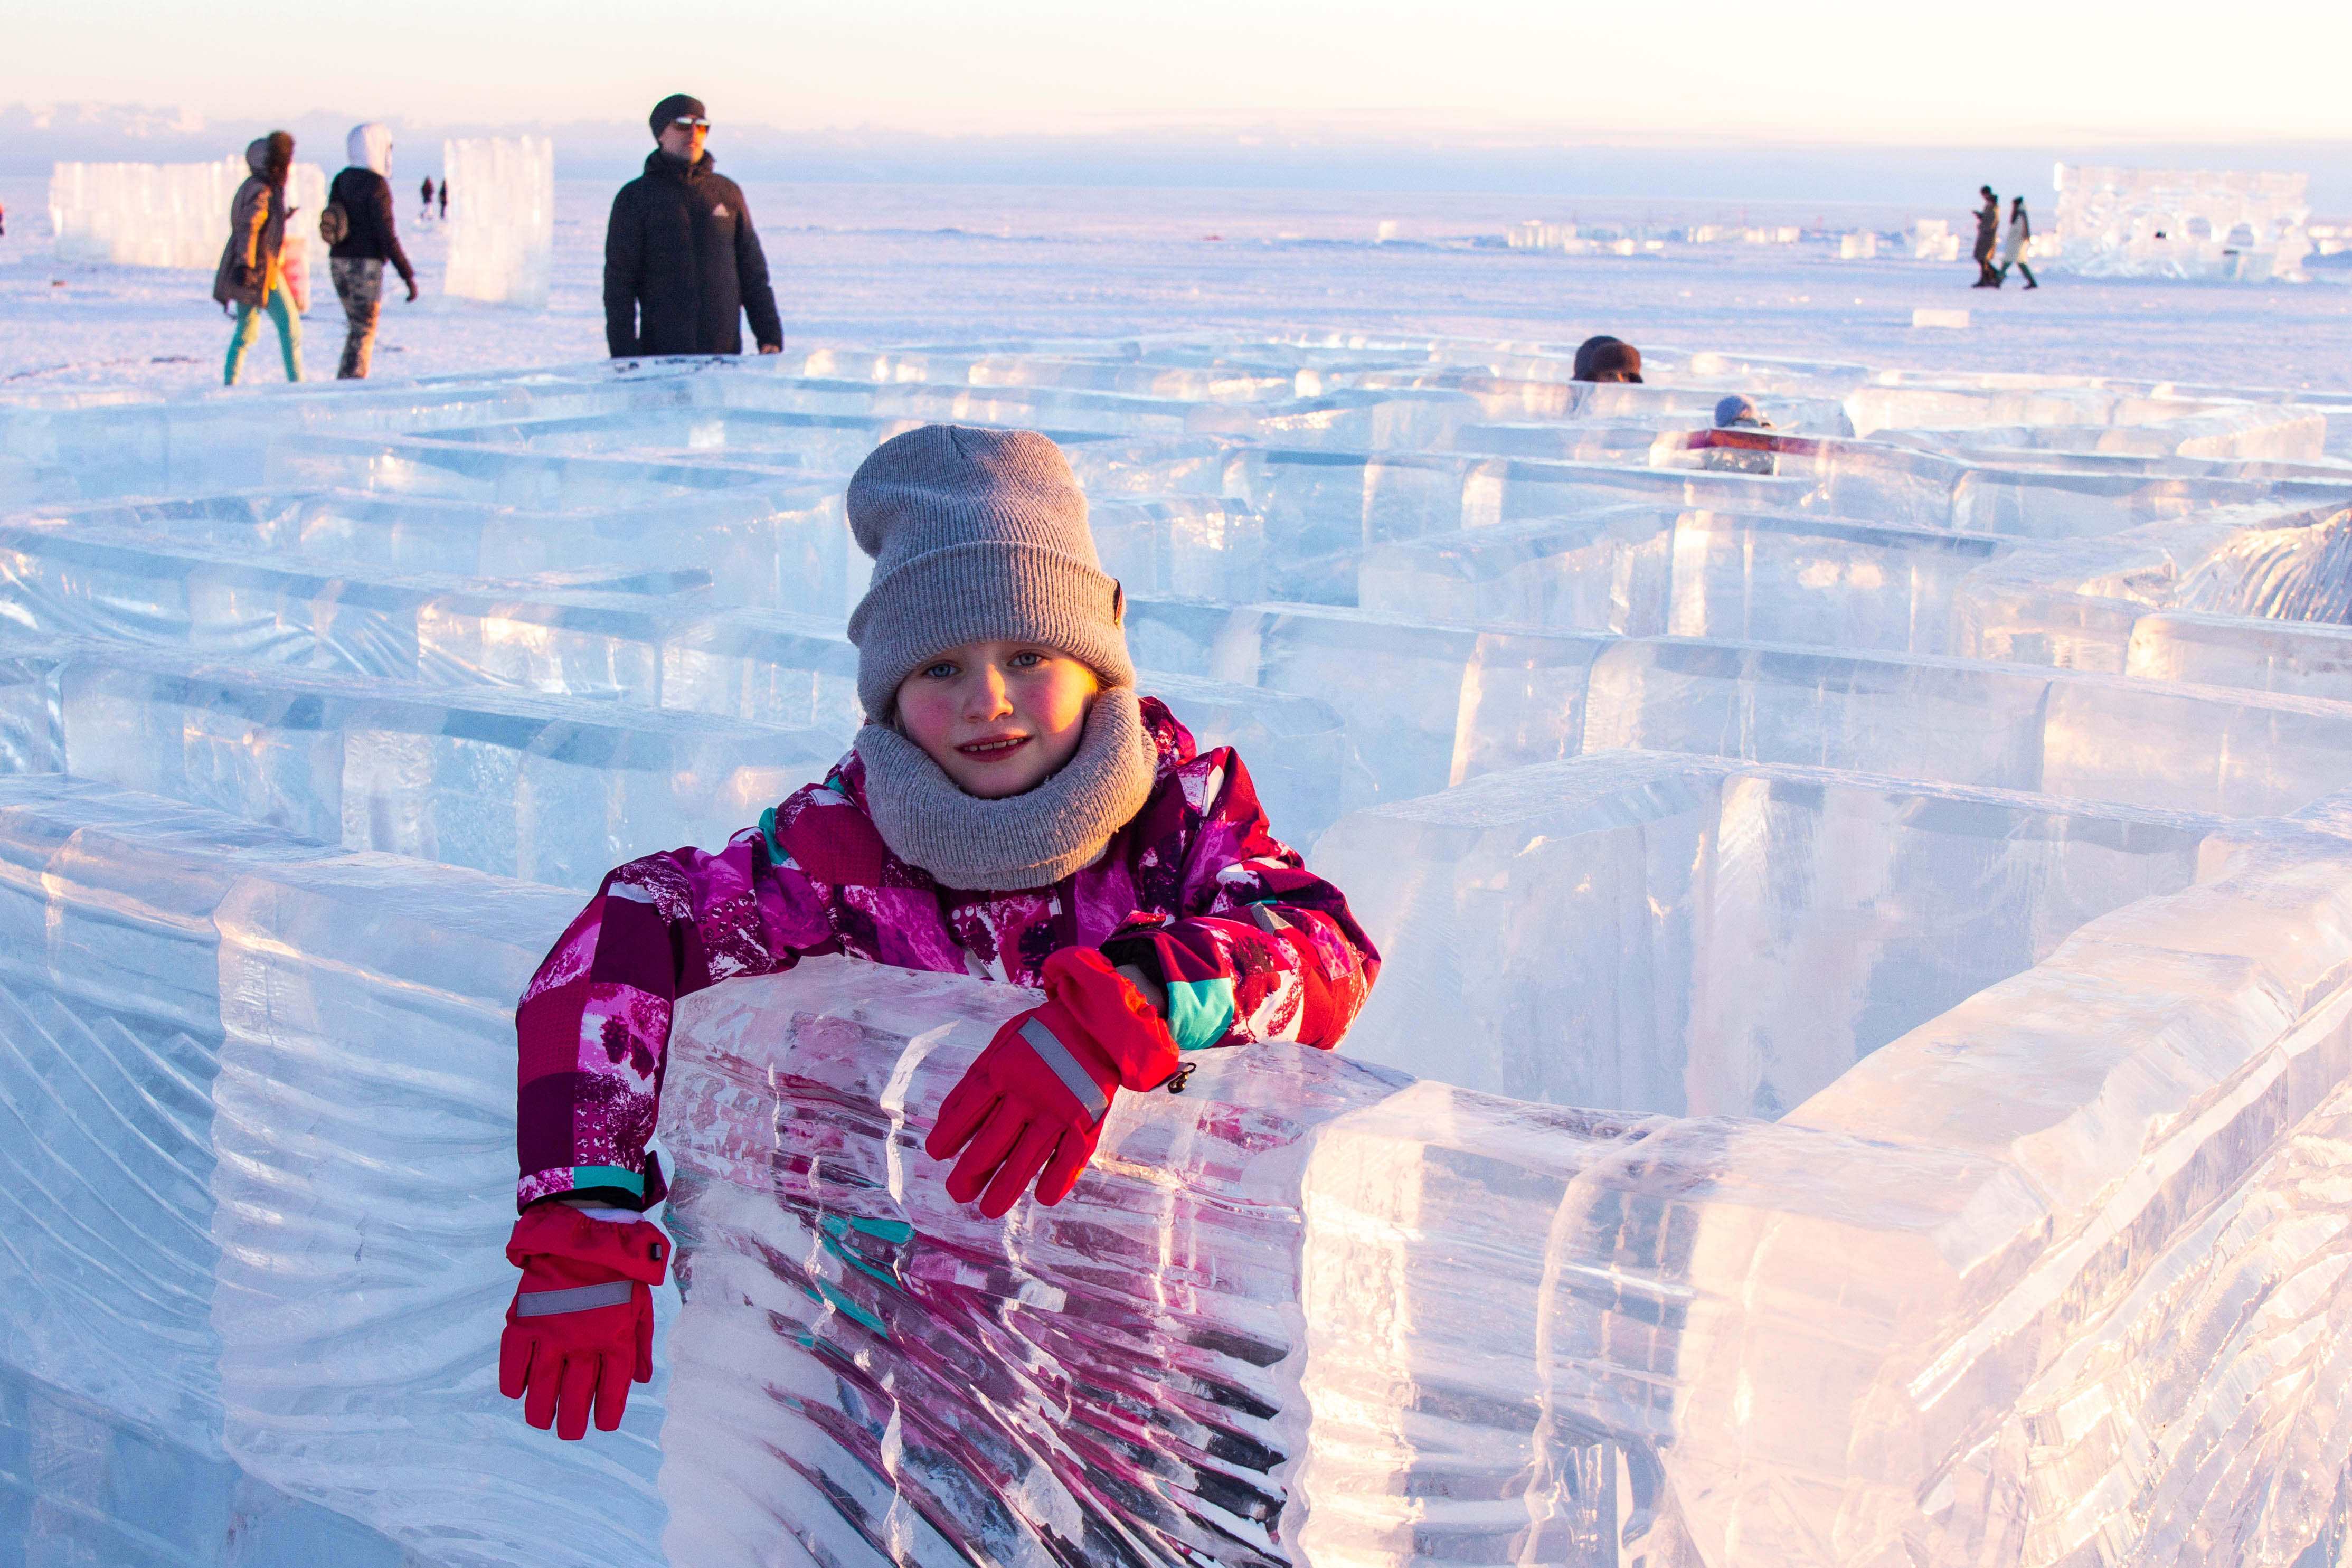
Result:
[1023,841]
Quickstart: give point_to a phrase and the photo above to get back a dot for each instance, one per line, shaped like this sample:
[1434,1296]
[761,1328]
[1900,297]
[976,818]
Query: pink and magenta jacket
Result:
[1195,889]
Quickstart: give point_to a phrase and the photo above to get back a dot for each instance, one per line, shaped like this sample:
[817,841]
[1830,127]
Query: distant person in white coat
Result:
[2012,250]
[359,228]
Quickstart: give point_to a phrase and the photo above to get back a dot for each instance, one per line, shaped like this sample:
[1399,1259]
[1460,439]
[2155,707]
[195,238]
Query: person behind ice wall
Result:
[1012,809]
[682,262]
[2013,251]
[361,238]
[252,274]
[1607,359]
[443,198]
[1738,411]
[1987,232]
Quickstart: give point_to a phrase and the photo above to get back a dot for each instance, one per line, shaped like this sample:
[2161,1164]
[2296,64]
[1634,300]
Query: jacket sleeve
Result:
[391,232]
[592,1027]
[258,221]
[1263,949]
[751,280]
[624,246]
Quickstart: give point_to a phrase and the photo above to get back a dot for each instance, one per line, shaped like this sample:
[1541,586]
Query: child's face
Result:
[999,718]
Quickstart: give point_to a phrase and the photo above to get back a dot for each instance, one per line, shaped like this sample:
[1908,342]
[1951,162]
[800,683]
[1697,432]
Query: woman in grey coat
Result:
[251,276]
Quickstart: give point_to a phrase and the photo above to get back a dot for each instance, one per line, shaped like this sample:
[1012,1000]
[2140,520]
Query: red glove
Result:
[581,1322]
[1036,1099]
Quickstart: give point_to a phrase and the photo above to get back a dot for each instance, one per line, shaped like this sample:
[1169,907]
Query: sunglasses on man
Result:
[691,124]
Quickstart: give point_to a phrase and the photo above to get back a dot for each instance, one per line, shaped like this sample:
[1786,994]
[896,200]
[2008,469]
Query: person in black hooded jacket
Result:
[682,263]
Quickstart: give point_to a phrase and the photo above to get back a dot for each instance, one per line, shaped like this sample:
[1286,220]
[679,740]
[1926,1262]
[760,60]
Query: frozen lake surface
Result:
[873,264]
[1863,1070]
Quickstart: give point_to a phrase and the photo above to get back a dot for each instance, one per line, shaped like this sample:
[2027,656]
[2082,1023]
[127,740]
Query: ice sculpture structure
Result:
[170,215]
[2180,223]
[501,218]
[1863,1073]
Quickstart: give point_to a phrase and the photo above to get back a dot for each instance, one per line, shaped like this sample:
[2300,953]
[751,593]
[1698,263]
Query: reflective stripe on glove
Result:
[580,1327]
[1036,1100]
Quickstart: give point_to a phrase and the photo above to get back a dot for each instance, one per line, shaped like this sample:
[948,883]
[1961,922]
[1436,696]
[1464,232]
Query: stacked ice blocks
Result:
[1858,1073]
[170,214]
[502,234]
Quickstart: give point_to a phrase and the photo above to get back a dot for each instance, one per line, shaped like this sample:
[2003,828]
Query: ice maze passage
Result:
[1862,1072]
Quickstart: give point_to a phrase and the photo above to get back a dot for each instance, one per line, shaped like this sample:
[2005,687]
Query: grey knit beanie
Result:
[977,536]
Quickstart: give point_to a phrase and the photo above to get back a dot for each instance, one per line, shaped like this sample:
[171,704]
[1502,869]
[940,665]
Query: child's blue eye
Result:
[1025,660]
[940,671]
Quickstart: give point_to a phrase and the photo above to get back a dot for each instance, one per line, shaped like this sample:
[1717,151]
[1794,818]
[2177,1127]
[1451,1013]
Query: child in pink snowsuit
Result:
[1012,809]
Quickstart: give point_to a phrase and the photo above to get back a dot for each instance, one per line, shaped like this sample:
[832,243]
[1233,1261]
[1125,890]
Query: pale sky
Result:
[1898,72]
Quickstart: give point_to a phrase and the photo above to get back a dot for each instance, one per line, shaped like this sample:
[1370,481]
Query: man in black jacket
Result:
[362,193]
[682,263]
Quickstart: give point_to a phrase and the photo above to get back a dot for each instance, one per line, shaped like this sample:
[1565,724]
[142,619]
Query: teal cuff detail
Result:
[776,855]
[1199,1012]
[585,1176]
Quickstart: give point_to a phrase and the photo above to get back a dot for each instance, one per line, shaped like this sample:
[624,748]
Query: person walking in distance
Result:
[682,262]
[1987,234]
[445,198]
[251,275]
[360,238]
[2013,251]
[427,210]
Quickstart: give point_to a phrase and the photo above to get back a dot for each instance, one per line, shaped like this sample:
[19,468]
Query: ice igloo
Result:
[2180,223]
[1860,1075]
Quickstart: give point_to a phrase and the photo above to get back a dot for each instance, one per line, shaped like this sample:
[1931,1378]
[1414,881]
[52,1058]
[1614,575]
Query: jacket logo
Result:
[719,211]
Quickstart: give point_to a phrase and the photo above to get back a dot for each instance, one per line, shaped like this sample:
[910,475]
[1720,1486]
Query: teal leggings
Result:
[249,327]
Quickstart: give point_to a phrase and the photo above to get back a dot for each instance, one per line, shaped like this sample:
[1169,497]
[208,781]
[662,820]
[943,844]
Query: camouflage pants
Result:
[360,286]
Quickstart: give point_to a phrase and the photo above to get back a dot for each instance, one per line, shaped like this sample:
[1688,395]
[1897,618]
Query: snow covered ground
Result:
[908,264]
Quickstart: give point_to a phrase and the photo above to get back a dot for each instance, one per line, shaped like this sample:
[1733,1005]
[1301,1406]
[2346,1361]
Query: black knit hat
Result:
[673,106]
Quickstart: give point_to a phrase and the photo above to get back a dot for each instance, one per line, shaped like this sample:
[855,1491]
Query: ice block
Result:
[1525,1334]
[502,218]
[1647,932]
[2243,651]
[1426,706]
[865,1370]
[1643,570]
[363,1116]
[2180,223]
[170,214]
[551,791]
[2164,746]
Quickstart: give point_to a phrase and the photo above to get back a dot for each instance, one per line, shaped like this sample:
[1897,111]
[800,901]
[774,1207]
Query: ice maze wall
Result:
[502,230]
[2182,223]
[1860,1075]
[173,215]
